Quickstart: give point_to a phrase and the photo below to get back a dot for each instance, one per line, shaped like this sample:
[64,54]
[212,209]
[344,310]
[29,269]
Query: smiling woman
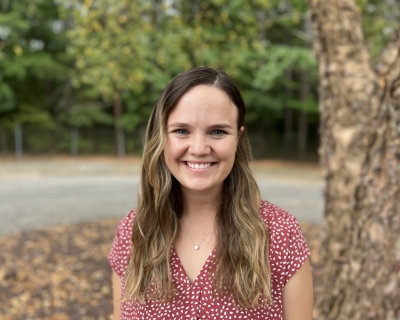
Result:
[201,243]
[202,135]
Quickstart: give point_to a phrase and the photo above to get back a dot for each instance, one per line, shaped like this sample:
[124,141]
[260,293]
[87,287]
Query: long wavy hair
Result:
[242,238]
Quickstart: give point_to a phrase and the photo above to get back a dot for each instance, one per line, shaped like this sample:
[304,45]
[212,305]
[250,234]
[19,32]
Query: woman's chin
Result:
[202,188]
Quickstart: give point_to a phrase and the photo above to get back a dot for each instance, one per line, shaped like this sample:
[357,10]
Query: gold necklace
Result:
[197,246]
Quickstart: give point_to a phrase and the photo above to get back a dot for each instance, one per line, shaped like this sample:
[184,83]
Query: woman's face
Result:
[202,136]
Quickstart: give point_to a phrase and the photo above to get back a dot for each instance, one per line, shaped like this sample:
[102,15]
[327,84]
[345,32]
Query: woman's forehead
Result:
[204,102]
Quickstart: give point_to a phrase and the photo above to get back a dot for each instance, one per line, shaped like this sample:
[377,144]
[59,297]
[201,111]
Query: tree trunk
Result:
[360,152]
[302,136]
[74,141]
[304,95]
[119,133]
[262,31]
[18,141]
[303,117]
[288,124]
[3,141]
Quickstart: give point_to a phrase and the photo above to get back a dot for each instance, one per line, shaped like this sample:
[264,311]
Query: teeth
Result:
[198,166]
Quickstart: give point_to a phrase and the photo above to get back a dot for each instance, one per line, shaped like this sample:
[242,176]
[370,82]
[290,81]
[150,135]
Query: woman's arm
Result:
[298,295]
[116,283]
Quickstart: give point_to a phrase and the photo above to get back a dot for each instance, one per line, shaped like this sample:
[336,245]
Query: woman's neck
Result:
[201,206]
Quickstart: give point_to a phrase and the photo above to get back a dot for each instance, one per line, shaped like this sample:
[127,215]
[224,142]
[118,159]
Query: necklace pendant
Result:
[196,247]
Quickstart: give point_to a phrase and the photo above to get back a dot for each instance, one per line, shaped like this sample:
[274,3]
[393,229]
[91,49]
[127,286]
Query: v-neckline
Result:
[203,268]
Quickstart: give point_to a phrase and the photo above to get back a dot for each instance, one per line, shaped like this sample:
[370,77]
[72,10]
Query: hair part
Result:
[242,238]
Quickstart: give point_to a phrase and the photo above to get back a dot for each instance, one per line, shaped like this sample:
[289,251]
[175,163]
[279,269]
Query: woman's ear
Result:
[241,130]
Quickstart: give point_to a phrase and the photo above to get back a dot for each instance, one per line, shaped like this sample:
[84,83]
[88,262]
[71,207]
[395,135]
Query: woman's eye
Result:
[181,131]
[218,132]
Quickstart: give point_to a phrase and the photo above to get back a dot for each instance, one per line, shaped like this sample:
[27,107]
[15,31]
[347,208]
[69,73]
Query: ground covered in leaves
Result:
[63,273]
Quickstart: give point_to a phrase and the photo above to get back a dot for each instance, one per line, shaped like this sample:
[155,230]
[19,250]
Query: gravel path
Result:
[38,193]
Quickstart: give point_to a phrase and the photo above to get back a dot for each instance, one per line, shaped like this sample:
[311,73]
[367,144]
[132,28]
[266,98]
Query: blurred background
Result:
[80,77]
[78,80]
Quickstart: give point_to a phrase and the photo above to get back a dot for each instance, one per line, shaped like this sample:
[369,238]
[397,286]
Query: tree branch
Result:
[338,34]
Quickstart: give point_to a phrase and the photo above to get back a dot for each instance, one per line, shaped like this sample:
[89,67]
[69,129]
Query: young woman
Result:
[201,244]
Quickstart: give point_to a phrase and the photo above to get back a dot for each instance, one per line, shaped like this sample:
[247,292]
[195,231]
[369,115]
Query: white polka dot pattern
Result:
[288,251]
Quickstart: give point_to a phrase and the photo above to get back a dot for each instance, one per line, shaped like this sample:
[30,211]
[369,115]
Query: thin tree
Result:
[360,152]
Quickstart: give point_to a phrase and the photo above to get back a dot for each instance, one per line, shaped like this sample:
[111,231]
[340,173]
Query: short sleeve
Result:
[288,249]
[121,247]
[298,249]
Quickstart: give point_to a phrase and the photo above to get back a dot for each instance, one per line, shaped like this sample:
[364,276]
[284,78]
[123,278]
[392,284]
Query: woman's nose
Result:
[199,145]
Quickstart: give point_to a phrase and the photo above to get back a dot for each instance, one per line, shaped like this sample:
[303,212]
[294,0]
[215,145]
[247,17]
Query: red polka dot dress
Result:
[288,251]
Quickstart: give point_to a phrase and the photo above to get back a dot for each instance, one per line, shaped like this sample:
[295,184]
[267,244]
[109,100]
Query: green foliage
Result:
[308,105]
[380,20]
[31,68]
[109,45]
[7,97]
[86,116]
[29,114]
[64,62]
[138,110]
[278,59]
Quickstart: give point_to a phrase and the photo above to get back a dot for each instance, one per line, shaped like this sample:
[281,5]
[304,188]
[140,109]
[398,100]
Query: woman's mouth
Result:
[199,165]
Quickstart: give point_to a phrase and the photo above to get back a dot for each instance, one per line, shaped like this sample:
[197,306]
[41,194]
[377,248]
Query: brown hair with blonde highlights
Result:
[242,238]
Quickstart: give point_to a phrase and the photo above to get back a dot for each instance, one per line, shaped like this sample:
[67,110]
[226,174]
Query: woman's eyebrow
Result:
[186,125]
[178,125]
[220,126]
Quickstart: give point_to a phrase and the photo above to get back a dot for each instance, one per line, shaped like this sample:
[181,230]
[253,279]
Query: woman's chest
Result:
[191,255]
[197,300]
[197,304]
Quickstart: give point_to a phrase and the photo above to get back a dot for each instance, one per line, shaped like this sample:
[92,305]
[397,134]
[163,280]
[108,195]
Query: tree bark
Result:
[360,153]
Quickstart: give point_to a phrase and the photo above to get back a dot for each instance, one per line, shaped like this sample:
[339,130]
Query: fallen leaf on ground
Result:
[63,273]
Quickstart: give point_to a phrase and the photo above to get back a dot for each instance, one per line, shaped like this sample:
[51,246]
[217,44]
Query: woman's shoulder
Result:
[275,217]
[121,247]
[288,246]
[125,225]
[280,223]
[124,229]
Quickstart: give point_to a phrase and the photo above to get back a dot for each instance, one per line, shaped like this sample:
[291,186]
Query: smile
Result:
[199,165]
